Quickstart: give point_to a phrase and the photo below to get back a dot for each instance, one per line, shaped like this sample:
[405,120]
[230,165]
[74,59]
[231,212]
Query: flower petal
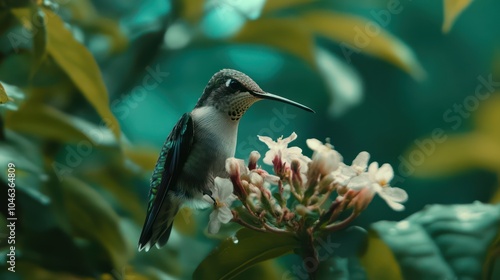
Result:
[223,188]
[289,139]
[394,205]
[314,144]
[269,157]
[214,223]
[360,182]
[267,140]
[224,215]
[208,199]
[294,151]
[361,161]
[372,170]
[395,194]
[385,173]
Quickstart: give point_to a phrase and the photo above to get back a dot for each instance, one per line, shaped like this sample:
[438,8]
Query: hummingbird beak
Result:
[270,96]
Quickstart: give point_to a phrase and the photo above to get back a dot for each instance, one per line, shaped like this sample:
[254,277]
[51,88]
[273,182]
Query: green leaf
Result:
[47,122]
[356,34]
[282,34]
[81,67]
[245,249]
[39,38]
[445,242]
[452,9]
[92,217]
[28,162]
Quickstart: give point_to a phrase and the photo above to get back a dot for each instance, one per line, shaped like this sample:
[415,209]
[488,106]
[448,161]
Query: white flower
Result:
[377,180]
[325,158]
[280,148]
[223,195]
[345,173]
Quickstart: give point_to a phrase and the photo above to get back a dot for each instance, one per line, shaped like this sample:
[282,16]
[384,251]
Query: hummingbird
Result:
[195,151]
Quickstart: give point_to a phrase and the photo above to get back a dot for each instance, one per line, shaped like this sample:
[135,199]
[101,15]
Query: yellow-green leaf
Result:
[457,153]
[144,157]
[273,5]
[452,9]
[3,95]
[192,10]
[287,35]
[81,67]
[356,34]
[48,122]
[487,117]
[93,218]
[378,260]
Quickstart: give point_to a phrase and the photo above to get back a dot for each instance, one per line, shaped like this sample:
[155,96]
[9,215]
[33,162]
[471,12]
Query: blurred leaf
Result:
[10,4]
[378,260]
[245,249]
[121,188]
[343,82]
[283,34]
[142,156]
[93,218]
[487,117]
[249,9]
[496,196]
[184,222]
[31,270]
[452,9]
[48,122]
[29,166]
[357,35]
[425,244]
[224,18]
[273,5]
[456,154]
[39,38]
[84,13]
[192,10]
[263,270]
[3,95]
[81,67]
[342,268]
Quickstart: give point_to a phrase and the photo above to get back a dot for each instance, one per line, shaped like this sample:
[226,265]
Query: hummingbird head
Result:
[233,92]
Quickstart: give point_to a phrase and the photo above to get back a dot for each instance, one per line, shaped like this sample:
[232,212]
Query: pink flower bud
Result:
[252,161]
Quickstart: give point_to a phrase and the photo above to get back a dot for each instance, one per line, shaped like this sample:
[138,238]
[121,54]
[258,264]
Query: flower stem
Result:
[310,254]
[343,224]
[245,224]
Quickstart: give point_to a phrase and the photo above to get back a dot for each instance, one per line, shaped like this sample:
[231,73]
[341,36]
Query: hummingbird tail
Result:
[156,230]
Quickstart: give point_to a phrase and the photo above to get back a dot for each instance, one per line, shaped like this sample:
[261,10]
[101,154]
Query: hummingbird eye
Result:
[233,84]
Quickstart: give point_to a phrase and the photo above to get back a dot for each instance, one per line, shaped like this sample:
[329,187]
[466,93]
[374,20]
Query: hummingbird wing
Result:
[172,157]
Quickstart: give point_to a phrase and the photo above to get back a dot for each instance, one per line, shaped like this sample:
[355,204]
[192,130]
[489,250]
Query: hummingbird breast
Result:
[214,141]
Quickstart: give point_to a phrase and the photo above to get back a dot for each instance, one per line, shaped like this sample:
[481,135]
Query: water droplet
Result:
[235,240]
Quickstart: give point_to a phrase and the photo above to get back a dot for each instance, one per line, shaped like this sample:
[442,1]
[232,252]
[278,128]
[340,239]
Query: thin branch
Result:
[343,224]
[247,225]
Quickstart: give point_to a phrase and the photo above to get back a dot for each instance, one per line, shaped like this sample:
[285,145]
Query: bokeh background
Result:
[92,89]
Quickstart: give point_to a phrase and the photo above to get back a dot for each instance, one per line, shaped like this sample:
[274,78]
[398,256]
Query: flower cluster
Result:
[306,195]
